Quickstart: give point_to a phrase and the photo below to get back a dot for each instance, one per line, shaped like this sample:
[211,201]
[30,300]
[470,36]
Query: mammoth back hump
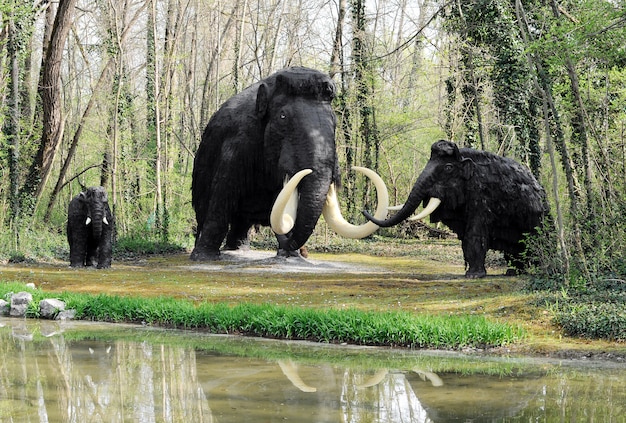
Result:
[505,185]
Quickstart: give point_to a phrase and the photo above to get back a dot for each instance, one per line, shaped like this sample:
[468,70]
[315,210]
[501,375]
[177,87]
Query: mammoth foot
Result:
[197,255]
[475,274]
[299,256]
[513,272]
[288,253]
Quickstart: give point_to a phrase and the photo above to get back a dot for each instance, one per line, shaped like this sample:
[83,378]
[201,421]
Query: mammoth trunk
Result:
[412,202]
[285,210]
[310,203]
[97,218]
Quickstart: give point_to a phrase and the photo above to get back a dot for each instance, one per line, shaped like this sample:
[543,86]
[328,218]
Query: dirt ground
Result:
[426,281]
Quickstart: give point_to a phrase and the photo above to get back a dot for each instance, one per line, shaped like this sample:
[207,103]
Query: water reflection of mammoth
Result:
[279,128]
[439,396]
[467,397]
[290,370]
[489,201]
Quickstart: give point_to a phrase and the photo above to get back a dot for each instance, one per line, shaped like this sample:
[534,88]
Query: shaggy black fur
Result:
[489,201]
[90,243]
[270,130]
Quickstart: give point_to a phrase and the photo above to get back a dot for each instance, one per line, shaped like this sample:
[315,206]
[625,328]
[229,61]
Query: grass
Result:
[294,323]
[412,277]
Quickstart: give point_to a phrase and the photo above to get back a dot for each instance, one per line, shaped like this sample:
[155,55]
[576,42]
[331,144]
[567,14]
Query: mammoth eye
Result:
[283,115]
[449,167]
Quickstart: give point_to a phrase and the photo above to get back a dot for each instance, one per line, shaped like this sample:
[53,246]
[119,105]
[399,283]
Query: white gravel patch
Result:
[251,261]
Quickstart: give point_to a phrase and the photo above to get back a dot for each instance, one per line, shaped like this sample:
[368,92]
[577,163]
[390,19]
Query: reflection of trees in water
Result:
[129,381]
[105,382]
[53,379]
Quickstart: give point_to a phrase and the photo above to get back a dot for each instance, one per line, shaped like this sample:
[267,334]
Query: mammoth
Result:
[90,226]
[268,157]
[489,201]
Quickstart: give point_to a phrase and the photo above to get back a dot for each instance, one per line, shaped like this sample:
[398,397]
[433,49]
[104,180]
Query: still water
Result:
[81,372]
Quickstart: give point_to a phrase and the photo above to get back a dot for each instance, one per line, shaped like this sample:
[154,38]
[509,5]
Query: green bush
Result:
[593,320]
[139,245]
[34,243]
[596,312]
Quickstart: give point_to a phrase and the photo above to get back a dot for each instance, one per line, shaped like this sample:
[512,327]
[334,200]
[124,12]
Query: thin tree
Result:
[50,96]
[103,80]
[12,127]
[363,80]
[153,110]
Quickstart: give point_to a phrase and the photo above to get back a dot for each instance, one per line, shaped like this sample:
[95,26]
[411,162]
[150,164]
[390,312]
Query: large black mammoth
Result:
[489,201]
[277,132]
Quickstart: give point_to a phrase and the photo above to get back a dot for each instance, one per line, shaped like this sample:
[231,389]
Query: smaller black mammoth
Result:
[90,226]
[489,201]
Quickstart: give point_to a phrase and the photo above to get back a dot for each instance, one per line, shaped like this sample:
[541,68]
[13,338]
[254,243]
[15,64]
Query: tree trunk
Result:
[100,84]
[50,95]
[12,130]
[336,57]
[550,109]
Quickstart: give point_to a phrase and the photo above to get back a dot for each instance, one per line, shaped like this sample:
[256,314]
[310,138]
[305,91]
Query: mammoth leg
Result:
[237,238]
[104,256]
[105,248]
[209,241]
[77,247]
[92,251]
[516,263]
[474,251]
[285,252]
[216,210]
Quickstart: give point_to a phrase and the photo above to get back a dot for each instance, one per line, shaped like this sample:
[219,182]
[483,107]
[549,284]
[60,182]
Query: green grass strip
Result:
[350,326]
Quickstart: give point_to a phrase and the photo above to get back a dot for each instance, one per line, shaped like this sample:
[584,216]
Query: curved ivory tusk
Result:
[105,221]
[332,213]
[430,207]
[284,210]
[432,377]
[88,221]
[374,380]
[395,208]
[289,369]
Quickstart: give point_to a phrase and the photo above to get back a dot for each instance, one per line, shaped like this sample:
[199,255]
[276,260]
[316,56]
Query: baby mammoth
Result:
[90,226]
[490,202]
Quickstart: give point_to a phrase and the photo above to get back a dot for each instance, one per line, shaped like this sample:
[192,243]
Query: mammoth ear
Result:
[262,100]
[467,166]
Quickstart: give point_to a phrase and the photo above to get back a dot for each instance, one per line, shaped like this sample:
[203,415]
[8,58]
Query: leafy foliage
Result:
[598,311]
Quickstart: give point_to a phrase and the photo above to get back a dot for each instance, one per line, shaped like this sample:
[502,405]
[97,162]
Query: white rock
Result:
[49,308]
[4,308]
[19,304]
[66,315]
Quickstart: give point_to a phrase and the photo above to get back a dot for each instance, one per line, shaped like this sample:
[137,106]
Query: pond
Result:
[87,372]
